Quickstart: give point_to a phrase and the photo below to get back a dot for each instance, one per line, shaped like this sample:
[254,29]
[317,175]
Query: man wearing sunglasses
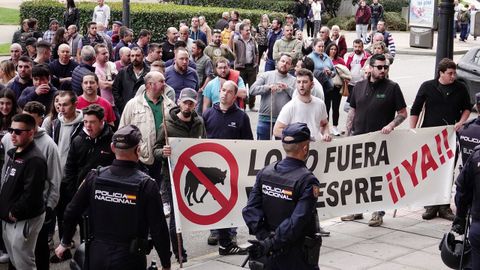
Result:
[377,104]
[22,203]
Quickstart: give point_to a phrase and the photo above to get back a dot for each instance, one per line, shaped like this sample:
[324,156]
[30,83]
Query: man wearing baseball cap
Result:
[182,122]
[281,209]
[119,226]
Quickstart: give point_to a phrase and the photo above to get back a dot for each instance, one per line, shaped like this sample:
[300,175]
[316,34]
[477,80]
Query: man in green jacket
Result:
[183,122]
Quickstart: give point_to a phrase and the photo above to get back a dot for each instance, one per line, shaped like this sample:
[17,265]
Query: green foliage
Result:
[395,22]
[154,17]
[9,16]
[389,5]
[394,5]
[345,23]
[271,5]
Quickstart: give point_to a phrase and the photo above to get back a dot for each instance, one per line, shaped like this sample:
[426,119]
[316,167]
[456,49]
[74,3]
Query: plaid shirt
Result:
[48,35]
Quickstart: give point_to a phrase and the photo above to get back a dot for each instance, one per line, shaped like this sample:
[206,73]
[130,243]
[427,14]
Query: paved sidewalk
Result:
[404,242]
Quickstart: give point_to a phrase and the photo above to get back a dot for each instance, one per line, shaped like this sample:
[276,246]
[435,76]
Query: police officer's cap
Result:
[295,133]
[477,98]
[127,137]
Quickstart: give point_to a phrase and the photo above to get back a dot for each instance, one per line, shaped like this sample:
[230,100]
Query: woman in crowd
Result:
[324,69]
[317,16]
[71,15]
[58,39]
[333,98]
[7,72]
[339,39]
[261,36]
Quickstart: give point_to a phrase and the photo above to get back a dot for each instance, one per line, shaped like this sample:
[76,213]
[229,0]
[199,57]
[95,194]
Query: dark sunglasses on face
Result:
[16,131]
[380,67]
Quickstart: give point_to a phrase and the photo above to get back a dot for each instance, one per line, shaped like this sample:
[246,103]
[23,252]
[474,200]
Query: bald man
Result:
[62,68]
[15,53]
[168,46]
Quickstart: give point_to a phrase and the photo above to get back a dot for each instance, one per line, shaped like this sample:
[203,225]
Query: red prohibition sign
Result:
[185,160]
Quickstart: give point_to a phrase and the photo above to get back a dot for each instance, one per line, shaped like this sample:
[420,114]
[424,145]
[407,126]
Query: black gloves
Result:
[260,248]
[458,225]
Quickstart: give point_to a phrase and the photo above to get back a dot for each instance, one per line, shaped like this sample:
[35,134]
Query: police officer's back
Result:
[281,209]
[467,197]
[123,205]
[469,134]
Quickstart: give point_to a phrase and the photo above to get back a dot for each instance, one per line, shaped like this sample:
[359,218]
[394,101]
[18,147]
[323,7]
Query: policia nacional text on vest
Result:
[113,199]
[280,194]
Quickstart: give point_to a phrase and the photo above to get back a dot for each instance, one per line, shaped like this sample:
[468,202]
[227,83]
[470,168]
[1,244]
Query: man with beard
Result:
[355,62]
[182,122]
[73,38]
[129,79]
[276,89]
[180,75]
[377,104]
[211,94]
[304,108]
[106,72]
[90,85]
[62,68]
[146,110]
[216,49]
[288,44]
[246,50]
[24,77]
[126,37]
[168,50]
[445,101]
[92,38]
[204,69]
[225,120]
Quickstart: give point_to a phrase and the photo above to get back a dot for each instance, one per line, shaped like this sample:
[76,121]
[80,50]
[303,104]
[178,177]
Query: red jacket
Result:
[366,55]
[363,15]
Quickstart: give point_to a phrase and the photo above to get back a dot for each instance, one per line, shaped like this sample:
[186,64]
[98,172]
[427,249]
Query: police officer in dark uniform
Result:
[468,196]
[281,209]
[123,205]
[469,134]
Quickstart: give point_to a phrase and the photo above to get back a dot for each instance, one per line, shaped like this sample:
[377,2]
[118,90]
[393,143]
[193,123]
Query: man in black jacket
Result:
[22,205]
[120,226]
[129,79]
[88,150]
[182,122]
[445,101]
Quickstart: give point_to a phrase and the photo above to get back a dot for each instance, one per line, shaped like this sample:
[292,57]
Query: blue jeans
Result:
[464,32]
[269,64]
[301,23]
[263,130]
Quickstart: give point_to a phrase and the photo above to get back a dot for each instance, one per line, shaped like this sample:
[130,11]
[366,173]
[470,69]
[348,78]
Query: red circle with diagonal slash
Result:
[185,161]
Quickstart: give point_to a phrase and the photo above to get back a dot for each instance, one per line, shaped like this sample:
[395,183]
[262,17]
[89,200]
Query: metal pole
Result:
[126,13]
[445,31]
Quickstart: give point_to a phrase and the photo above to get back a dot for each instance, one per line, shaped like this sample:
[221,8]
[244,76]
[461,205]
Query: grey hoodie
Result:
[64,135]
[54,173]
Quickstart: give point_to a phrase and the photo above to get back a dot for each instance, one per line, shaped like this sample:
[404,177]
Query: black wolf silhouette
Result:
[215,176]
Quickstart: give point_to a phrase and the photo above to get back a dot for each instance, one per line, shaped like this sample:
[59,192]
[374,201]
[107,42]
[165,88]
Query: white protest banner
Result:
[370,172]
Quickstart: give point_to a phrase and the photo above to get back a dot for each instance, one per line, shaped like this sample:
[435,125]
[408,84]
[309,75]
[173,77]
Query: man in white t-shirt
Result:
[305,108]
[101,13]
